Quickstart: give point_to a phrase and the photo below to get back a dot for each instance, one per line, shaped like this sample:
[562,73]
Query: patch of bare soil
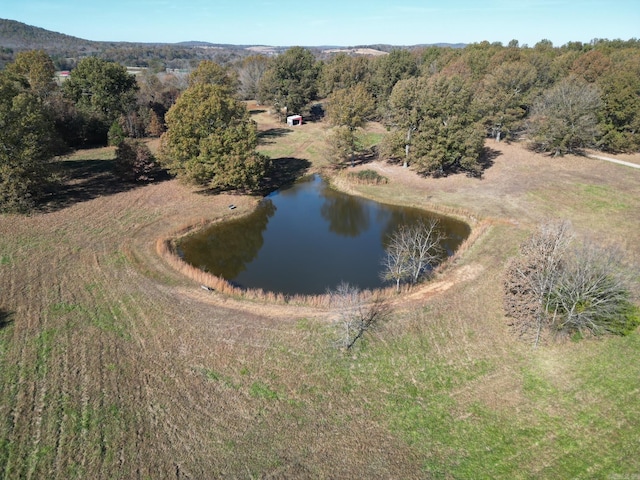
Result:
[465,273]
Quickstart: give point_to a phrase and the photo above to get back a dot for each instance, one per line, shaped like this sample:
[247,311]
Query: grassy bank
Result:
[114,365]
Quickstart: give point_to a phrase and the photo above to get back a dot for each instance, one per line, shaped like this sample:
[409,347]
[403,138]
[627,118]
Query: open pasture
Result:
[113,365]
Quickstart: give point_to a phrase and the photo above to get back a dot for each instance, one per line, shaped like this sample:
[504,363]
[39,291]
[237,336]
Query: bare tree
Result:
[412,251]
[425,247]
[531,276]
[554,286]
[395,264]
[354,315]
[250,73]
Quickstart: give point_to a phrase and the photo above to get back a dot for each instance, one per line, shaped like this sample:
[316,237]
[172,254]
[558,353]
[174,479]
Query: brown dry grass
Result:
[115,364]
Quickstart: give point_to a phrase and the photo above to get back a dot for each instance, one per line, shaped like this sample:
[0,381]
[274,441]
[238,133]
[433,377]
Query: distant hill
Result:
[66,50]
[20,36]
[442,45]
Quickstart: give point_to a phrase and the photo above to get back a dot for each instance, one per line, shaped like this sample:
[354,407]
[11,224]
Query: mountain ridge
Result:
[21,36]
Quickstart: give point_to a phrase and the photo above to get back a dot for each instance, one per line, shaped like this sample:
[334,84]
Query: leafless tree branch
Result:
[354,316]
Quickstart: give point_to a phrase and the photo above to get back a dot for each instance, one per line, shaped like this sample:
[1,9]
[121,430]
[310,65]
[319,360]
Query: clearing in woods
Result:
[114,366]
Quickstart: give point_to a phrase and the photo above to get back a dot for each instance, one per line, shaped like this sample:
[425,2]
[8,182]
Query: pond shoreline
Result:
[166,247]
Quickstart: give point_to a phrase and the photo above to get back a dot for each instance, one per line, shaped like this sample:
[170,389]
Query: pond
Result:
[306,239]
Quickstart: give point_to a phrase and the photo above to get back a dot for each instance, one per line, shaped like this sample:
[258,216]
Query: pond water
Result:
[306,239]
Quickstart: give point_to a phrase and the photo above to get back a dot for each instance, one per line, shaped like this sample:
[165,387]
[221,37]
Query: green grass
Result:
[44,344]
[262,390]
[106,317]
[305,143]
[586,198]
[602,197]
[553,433]
[370,139]
[104,153]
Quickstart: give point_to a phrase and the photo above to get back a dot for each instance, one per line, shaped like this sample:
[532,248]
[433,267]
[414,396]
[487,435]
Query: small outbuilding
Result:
[294,120]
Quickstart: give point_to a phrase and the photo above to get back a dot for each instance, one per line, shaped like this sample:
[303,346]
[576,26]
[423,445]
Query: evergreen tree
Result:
[211,140]
[291,82]
[565,118]
[26,133]
[437,123]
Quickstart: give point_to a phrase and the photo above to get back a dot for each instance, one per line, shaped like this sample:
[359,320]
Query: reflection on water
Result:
[228,247]
[346,215]
[306,239]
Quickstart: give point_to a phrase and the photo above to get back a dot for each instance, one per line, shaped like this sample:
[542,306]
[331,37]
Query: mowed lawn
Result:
[112,365]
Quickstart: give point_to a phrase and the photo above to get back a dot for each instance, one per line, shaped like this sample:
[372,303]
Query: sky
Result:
[332,22]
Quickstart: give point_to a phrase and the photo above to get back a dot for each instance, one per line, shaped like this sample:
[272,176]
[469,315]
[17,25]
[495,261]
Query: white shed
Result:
[294,120]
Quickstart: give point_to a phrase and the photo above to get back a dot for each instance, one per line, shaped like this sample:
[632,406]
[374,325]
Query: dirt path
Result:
[613,160]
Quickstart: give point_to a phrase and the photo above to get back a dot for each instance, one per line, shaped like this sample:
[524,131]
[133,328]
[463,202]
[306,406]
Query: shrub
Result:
[367,177]
[134,161]
[593,293]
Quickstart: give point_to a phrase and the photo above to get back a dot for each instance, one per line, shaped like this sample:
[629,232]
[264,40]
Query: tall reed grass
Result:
[166,249]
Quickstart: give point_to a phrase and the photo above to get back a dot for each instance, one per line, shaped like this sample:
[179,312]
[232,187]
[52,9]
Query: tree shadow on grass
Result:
[84,180]
[487,158]
[485,162]
[266,137]
[361,158]
[5,319]
[366,156]
[315,114]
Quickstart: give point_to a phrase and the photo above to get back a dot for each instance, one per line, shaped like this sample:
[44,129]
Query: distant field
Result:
[112,365]
[358,51]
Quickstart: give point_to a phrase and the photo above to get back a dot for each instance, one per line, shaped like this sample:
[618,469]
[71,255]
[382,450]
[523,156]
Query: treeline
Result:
[40,120]
[439,105]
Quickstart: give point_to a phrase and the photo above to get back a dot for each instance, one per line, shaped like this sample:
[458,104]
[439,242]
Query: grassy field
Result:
[112,365]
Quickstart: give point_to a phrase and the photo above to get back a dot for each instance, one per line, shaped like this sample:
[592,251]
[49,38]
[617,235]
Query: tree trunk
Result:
[406,148]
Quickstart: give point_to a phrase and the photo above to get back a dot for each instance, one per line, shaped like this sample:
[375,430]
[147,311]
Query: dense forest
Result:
[438,103]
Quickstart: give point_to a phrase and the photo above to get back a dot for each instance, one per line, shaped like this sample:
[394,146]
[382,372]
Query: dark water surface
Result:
[306,239]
